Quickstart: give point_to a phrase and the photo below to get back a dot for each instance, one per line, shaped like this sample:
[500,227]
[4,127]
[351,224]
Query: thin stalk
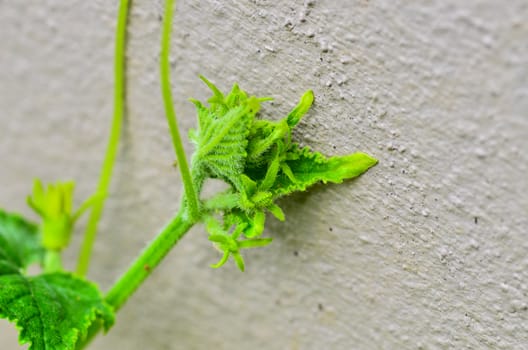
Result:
[52,261]
[190,193]
[140,269]
[111,151]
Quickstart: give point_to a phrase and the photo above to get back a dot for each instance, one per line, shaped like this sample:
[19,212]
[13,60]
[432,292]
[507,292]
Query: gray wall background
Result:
[428,250]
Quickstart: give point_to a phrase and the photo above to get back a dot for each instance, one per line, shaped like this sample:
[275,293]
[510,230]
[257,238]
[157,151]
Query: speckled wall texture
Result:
[428,250]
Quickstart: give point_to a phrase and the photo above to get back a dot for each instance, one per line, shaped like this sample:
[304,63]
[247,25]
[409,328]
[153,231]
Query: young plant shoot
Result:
[257,159]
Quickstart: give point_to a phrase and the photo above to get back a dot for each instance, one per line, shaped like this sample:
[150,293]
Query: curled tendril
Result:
[230,244]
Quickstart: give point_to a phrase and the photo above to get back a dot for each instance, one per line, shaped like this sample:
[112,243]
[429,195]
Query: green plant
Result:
[256,158]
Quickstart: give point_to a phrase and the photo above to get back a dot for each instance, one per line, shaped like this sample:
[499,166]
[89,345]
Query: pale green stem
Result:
[94,198]
[52,261]
[190,193]
[111,151]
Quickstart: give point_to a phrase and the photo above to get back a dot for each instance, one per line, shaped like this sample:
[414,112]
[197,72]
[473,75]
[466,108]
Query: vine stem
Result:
[112,148]
[142,267]
[148,260]
[52,261]
[190,193]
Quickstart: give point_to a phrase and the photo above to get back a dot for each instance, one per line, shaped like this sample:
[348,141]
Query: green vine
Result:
[191,197]
[115,131]
[256,158]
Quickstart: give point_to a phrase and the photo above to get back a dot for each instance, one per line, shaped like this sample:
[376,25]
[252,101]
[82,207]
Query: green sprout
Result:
[257,159]
[54,205]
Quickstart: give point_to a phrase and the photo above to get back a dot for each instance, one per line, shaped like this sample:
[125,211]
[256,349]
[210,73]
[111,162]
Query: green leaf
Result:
[255,226]
[276,211]
[52,311]
[304,168]
[221,139]
[263,135]
[19,243]
[300,110]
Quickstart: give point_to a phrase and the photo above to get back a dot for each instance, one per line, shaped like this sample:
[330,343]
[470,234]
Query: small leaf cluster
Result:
[259,161]
[54,205]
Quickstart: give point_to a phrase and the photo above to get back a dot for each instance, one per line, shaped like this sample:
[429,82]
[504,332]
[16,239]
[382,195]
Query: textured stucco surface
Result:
[428,250]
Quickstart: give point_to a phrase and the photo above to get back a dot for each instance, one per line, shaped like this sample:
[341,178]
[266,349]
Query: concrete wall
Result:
[428,250]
